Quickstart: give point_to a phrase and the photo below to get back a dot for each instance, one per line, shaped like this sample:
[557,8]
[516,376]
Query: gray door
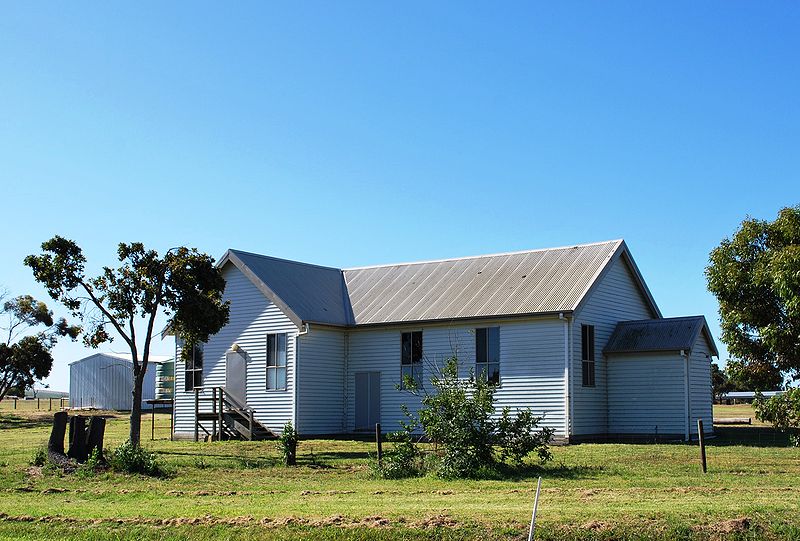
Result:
[236,376]
[368,400]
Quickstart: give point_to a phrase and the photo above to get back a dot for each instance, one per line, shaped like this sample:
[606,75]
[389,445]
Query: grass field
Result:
[237,490]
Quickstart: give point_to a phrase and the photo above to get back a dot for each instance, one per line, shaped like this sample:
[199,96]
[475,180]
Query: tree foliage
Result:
[755,276]
[782,411]
[458,417]
[184,285]
[25,356]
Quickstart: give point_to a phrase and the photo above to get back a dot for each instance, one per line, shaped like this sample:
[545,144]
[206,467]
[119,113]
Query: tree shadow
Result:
[748,436]
[507,472]
[8,421]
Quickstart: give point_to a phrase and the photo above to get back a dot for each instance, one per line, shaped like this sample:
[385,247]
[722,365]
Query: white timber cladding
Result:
[700,399]
[615,298]
[321,371]
[531,366]
[646,394]
[252,317]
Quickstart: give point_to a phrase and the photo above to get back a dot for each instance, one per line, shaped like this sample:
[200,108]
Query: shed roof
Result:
[510,284]
[666,334]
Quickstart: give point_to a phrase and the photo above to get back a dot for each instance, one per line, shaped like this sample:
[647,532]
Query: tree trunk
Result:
[56,443]
[136,410]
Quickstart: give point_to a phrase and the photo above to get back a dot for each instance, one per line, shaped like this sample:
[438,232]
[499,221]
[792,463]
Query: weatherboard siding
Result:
[320,366]
[252,317]
[615,298]
[700,400]
[531,366]
[646,394]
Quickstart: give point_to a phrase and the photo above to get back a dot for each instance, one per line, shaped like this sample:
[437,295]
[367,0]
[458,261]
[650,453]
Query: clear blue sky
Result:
[361,133]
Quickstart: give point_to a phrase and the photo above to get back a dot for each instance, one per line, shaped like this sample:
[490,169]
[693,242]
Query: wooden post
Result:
[56,443]
[701,438]
[94,437]
[379,443]
[51,405]
[214,411]
[38,403]
[77,439]
[15,403]
[196,414]
[250,435]
[152,421]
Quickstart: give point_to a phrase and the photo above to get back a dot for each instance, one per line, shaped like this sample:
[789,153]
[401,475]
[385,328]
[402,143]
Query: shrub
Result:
[93,464]
[130,458]
[458,418]
[782,411]
[404,458]
[39,458]
[287,444]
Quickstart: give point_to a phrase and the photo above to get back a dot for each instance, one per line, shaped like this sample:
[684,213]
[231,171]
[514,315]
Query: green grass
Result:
[237,490]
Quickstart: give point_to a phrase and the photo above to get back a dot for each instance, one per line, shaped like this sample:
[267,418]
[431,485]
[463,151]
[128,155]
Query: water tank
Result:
[165,380]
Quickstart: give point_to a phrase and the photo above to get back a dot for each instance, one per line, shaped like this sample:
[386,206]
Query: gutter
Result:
[687,416]
[567,378]
[305,328]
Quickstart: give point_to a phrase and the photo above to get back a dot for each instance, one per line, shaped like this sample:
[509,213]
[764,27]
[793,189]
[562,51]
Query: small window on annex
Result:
[193,373]
[487,354]
[276,362]
[411,357]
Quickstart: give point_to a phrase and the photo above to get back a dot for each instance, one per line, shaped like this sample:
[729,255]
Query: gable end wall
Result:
[617,297]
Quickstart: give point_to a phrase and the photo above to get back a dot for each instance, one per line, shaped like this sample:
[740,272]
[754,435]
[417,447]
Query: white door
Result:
[236,376]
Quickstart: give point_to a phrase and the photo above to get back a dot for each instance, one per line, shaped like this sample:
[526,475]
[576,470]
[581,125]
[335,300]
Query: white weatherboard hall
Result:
[572,333]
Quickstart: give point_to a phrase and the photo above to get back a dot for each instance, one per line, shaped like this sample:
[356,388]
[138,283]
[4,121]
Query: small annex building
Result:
[573,333]
[104,381]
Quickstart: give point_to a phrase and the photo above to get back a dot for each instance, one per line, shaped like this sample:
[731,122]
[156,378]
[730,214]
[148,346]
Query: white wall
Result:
[700,392]
[531,365]
[645,391]
[615,298]
[321,391]
[252,317]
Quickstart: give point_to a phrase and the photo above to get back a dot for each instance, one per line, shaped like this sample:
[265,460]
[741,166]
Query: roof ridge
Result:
[284,260]
[658,320]
[519,252]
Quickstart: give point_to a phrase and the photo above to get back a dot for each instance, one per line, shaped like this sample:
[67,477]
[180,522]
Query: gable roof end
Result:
[650,335]
[305,293]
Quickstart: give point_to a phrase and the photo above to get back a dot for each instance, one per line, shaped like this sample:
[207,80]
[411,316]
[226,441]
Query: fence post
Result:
[379,444]
[702,440]
[38,403]
[196,414]
[50,408]
[15,403]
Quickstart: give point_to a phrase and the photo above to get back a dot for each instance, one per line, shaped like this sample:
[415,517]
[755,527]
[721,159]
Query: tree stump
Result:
[94,438]
[77,439]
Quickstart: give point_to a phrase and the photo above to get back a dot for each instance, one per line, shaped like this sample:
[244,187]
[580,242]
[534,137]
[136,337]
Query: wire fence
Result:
[33,404]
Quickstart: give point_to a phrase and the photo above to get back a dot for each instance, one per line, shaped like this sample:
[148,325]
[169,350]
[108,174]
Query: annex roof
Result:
[667,334]
[510,284]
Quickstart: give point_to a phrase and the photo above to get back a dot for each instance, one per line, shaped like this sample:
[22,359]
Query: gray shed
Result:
[105,381]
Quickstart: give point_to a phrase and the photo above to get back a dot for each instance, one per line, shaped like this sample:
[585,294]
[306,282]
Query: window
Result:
[411,357]
[487,354]
[276,362]
[587,355]
[193,375]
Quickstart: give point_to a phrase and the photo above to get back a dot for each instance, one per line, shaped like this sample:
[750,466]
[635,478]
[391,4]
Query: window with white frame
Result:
[193,373]
[487,354]
[411,357]
[276,361]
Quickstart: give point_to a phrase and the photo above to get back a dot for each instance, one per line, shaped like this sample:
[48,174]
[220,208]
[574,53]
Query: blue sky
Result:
[361,133]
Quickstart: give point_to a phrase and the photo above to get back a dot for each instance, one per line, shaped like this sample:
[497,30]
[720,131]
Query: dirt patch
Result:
[585,494]
[326,492]
[734,525]
[437,521]
[596,526]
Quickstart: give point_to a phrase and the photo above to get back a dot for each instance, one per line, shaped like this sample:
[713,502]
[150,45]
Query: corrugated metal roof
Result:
[312,293]
[668,334]
[531,282]
[520,283]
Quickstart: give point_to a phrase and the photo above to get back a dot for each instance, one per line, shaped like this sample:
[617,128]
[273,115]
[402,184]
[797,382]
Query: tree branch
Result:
[111,318]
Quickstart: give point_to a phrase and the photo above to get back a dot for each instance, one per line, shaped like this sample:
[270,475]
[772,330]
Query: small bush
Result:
[287,444]
[129,458]
[39,457]
[782,411]
[95,463]
[404,458]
